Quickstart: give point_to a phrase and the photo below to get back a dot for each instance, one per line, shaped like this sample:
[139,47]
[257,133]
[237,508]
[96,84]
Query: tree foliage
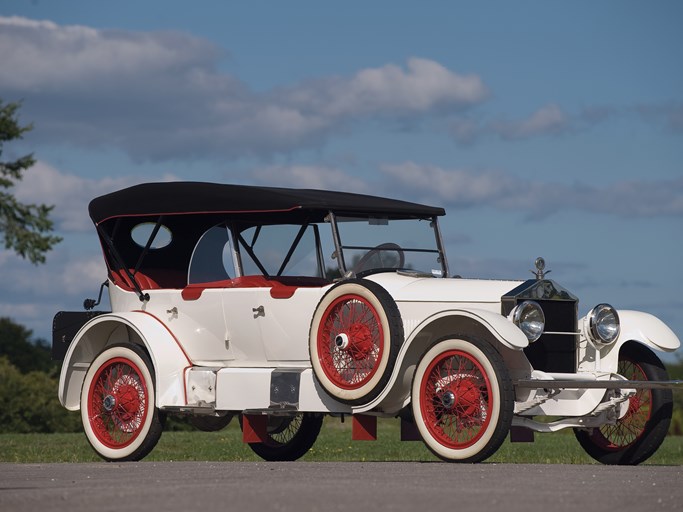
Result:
[24,353]
[28,403]
[25,228]
[28,385]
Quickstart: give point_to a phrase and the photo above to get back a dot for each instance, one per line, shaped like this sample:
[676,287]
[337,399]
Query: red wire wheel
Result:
[462,399]
[117,404]
[355,335]
[637,435]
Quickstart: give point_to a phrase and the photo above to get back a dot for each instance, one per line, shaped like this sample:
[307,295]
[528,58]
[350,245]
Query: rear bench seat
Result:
[282,287]
[150,279]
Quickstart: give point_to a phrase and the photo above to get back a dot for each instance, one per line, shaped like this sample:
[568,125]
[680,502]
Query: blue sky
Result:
[547,128]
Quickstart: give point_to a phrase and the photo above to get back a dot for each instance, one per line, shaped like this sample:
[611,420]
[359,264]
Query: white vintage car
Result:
[280,306]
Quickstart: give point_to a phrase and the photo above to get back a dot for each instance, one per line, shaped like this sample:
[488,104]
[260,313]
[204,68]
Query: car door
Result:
[269,325]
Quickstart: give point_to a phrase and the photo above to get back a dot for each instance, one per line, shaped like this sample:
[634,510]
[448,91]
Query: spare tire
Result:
[355,336]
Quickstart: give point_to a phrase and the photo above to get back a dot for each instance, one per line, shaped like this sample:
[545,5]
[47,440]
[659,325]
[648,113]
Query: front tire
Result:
[462,399]
[637,436]
[289,437]
[118,409]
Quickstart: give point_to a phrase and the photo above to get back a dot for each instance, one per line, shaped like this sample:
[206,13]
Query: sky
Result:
[544,128]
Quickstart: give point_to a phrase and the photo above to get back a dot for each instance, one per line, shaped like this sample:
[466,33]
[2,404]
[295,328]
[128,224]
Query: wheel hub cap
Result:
[448,399]
[109,403]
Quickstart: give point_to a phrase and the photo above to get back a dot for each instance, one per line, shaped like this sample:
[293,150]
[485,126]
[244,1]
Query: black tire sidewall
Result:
[657,426]
[295,448]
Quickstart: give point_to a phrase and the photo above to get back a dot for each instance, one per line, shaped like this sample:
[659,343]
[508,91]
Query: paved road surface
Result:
[336,486]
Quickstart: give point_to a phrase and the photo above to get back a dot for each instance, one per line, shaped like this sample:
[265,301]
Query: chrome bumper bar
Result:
[598,384]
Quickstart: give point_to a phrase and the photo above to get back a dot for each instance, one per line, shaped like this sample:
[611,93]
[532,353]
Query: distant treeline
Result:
[28,385]
[29,379]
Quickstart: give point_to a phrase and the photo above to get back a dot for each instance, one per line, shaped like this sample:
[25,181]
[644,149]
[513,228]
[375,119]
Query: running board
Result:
[598,384]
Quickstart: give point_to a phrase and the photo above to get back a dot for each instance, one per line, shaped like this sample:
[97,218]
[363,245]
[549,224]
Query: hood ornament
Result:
[540,269]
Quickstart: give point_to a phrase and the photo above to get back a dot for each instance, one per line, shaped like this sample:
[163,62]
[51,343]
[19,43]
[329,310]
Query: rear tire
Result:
[207,423]
[118,411]
[289,437]
[638,435]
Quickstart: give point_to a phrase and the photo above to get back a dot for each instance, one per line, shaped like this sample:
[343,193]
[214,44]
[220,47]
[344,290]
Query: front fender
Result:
[168,358]
[635,326]
[648,330]
[472,321]
[503,329]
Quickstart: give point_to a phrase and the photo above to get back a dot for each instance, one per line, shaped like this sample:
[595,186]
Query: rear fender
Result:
[168,358]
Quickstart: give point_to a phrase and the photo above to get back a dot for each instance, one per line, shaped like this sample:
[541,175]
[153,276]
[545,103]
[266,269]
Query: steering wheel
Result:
[377,251]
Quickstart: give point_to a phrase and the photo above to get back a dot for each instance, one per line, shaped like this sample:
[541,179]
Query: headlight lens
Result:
[603,324]
[529,317]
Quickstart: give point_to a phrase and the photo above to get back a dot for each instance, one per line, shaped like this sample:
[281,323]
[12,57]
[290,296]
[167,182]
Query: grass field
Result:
[333,444]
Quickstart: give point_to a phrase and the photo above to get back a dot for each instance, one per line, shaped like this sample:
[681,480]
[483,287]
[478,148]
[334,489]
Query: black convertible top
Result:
[182,197]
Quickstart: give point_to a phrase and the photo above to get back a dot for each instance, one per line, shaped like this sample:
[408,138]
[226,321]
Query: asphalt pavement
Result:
[337,486]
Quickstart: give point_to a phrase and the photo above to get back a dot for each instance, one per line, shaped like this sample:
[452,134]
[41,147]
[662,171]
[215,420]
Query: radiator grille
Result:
[551,352]
[555,352]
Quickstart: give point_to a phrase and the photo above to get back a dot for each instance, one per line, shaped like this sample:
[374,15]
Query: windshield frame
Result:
[334,219]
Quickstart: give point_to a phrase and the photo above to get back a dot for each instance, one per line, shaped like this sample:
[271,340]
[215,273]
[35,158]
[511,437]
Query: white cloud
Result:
[73,267]
[459,187]
[549,119]
[72,272]
[423,86]
[45,56]
[466,188]
[465,131]
[70,194]
[309,176]
[463,188]
[669,115]
[21,310]
[161,95]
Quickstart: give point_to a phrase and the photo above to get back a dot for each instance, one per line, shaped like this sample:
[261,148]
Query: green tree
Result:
[25,228]
[28,403]
[28,385]
[23,352]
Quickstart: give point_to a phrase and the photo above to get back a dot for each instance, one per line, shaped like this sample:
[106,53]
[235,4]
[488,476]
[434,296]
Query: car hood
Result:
[405,288]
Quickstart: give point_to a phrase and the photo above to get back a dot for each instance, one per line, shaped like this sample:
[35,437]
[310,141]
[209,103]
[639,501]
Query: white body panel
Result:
[240,389]
[424,300]
[168,358]
[277,332]
[404,288]
[222,328]
[243,335]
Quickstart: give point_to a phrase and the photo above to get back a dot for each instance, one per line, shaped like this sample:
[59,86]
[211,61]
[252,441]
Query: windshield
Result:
[379,243]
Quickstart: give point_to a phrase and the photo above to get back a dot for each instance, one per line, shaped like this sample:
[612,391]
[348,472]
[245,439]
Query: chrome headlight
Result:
[603,324]
[529,317]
